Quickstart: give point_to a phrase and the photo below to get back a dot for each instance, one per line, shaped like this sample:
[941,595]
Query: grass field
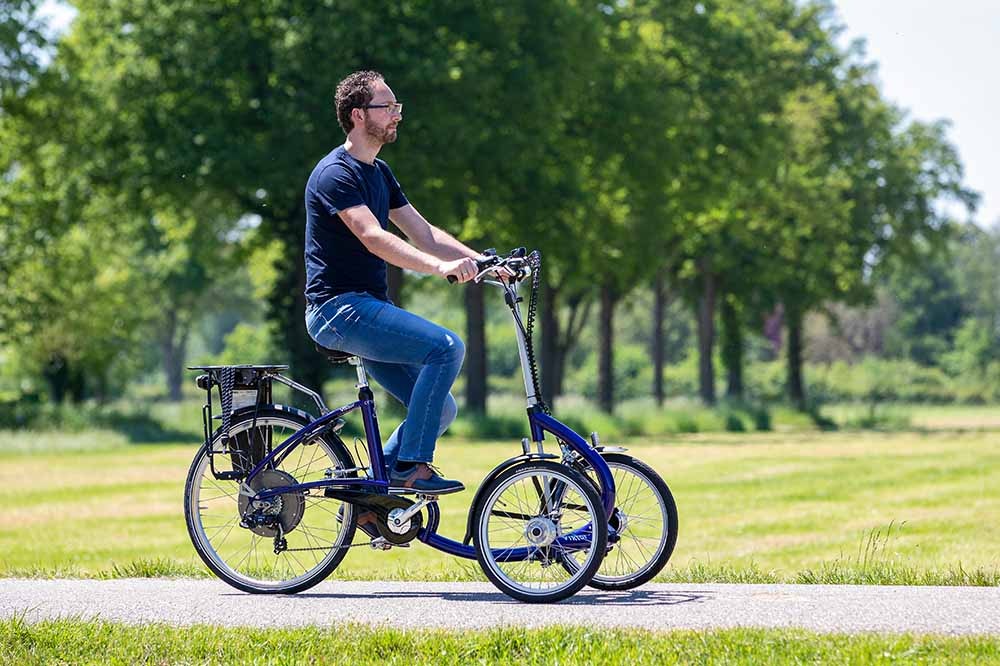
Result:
[909,507]
[69,641]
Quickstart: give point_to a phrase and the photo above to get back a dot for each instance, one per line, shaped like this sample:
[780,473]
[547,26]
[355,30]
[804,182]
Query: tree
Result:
[227,100]
[740,62]
[855,190]
[22,43]
[930,306]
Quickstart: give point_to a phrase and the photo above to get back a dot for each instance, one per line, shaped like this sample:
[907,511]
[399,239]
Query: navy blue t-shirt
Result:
[336,260]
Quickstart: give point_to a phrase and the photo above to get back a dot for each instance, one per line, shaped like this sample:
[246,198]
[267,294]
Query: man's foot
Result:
[367,521]
[421,478]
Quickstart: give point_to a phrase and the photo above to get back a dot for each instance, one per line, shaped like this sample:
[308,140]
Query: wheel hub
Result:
[540,531]
[285,510]
[618,521]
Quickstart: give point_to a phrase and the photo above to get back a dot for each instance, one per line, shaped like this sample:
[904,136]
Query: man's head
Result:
[365,102]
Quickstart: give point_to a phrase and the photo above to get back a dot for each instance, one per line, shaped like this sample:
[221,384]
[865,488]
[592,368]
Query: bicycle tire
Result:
[289,419]
[548,524]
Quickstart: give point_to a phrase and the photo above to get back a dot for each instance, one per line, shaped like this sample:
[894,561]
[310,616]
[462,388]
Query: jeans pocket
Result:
[323,330]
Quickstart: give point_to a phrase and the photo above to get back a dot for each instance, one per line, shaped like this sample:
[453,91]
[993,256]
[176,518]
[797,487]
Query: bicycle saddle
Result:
[332,355]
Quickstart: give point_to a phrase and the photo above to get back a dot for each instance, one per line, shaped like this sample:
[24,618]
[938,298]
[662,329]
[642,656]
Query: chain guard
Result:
[381,505]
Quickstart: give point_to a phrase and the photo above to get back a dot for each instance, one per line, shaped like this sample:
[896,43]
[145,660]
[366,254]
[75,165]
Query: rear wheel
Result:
[315,530]
[534,518]
[643,525]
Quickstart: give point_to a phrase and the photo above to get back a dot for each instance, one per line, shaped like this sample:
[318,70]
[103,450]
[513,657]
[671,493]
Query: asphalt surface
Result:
[409,605]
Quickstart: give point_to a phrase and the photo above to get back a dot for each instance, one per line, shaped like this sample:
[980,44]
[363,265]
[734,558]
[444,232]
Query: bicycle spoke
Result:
[247,555]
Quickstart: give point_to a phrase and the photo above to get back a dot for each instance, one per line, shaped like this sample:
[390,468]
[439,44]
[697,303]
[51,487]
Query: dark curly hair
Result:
[354,92]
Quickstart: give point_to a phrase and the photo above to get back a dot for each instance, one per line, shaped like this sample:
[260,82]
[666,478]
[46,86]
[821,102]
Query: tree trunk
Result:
[172,350]
[549,305]
[288,306]
[77,384]
[395,280]
[476,371]
[706,338]
[796,389]
[605,360]
[659,306]
[56,373]
[557,340]
[732,349]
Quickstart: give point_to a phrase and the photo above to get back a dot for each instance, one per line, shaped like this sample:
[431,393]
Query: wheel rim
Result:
[248,557]
[515,518]
[642,515]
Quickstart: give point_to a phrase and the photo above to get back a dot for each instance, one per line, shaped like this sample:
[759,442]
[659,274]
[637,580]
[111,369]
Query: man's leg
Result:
[381,332]
[398,380]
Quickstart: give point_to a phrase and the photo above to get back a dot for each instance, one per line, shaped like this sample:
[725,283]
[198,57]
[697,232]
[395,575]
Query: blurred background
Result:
[742,223]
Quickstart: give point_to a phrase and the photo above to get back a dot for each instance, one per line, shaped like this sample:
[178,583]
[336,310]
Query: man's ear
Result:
[357,115]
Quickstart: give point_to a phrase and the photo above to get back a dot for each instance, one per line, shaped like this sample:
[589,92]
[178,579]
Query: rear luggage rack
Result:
[246,385]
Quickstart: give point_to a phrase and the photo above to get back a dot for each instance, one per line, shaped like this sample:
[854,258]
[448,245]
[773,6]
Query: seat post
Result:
[359,365]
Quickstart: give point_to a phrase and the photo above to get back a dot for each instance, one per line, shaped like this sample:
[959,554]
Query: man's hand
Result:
[462,269]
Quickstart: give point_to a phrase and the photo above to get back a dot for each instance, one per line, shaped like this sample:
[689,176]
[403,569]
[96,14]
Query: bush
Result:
[136,423]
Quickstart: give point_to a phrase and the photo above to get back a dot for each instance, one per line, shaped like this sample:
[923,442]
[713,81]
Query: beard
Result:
[383,135]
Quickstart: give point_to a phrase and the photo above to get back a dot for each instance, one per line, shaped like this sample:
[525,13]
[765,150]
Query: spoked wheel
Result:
[303,527]
[532,519]
[644,521]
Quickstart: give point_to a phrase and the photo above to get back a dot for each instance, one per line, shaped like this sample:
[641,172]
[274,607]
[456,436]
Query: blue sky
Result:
[936,59]
[939,60]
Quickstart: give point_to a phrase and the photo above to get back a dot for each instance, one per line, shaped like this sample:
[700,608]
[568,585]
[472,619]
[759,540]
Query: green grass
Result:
[77,641]
[904,508]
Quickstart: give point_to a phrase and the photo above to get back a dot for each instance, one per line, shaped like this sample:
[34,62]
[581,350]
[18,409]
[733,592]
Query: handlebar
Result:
[515,263]
[481,265]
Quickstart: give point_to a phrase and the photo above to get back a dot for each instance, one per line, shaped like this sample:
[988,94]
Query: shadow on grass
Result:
[141,428]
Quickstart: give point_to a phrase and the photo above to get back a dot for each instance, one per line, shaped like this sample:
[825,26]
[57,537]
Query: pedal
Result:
[381,543]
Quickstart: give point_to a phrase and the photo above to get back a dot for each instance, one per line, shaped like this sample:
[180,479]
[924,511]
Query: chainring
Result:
[381,504]
[416,522]
[286,509]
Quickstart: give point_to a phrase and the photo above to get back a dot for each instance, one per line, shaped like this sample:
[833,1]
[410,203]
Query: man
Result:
[350,198]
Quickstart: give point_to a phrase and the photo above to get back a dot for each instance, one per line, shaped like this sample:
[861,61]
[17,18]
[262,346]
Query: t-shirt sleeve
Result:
[337,189]
[396,197]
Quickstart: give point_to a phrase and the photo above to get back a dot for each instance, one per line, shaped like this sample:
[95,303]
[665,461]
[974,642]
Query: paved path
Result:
[944,610]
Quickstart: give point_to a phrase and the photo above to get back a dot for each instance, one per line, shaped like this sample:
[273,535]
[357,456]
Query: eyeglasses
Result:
[393,107]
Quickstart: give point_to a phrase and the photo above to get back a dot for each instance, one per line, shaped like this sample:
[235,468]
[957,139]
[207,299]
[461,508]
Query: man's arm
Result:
[384,245]
[427,237]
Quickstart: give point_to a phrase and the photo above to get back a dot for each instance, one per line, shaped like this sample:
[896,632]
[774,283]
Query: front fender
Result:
[494,473]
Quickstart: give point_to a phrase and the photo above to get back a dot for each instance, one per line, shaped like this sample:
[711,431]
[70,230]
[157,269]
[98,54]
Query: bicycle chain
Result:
[300,550]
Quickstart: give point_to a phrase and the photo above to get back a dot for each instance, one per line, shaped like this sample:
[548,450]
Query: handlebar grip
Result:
[481,264]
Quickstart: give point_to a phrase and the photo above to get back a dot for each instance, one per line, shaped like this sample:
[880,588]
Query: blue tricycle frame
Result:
[378,482]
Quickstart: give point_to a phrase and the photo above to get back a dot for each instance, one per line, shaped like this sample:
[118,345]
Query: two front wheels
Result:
[554,514]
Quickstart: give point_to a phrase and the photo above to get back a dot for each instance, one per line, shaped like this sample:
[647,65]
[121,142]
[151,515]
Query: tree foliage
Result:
[729,145]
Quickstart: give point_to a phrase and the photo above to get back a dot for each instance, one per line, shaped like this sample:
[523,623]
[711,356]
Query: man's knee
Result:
[450,349]
[448,413]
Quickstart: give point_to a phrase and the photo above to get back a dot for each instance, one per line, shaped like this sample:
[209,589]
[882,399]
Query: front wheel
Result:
[534,518]
[643,524]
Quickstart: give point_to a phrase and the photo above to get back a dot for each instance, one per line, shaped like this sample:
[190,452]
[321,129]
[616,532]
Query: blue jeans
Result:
[415,360]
